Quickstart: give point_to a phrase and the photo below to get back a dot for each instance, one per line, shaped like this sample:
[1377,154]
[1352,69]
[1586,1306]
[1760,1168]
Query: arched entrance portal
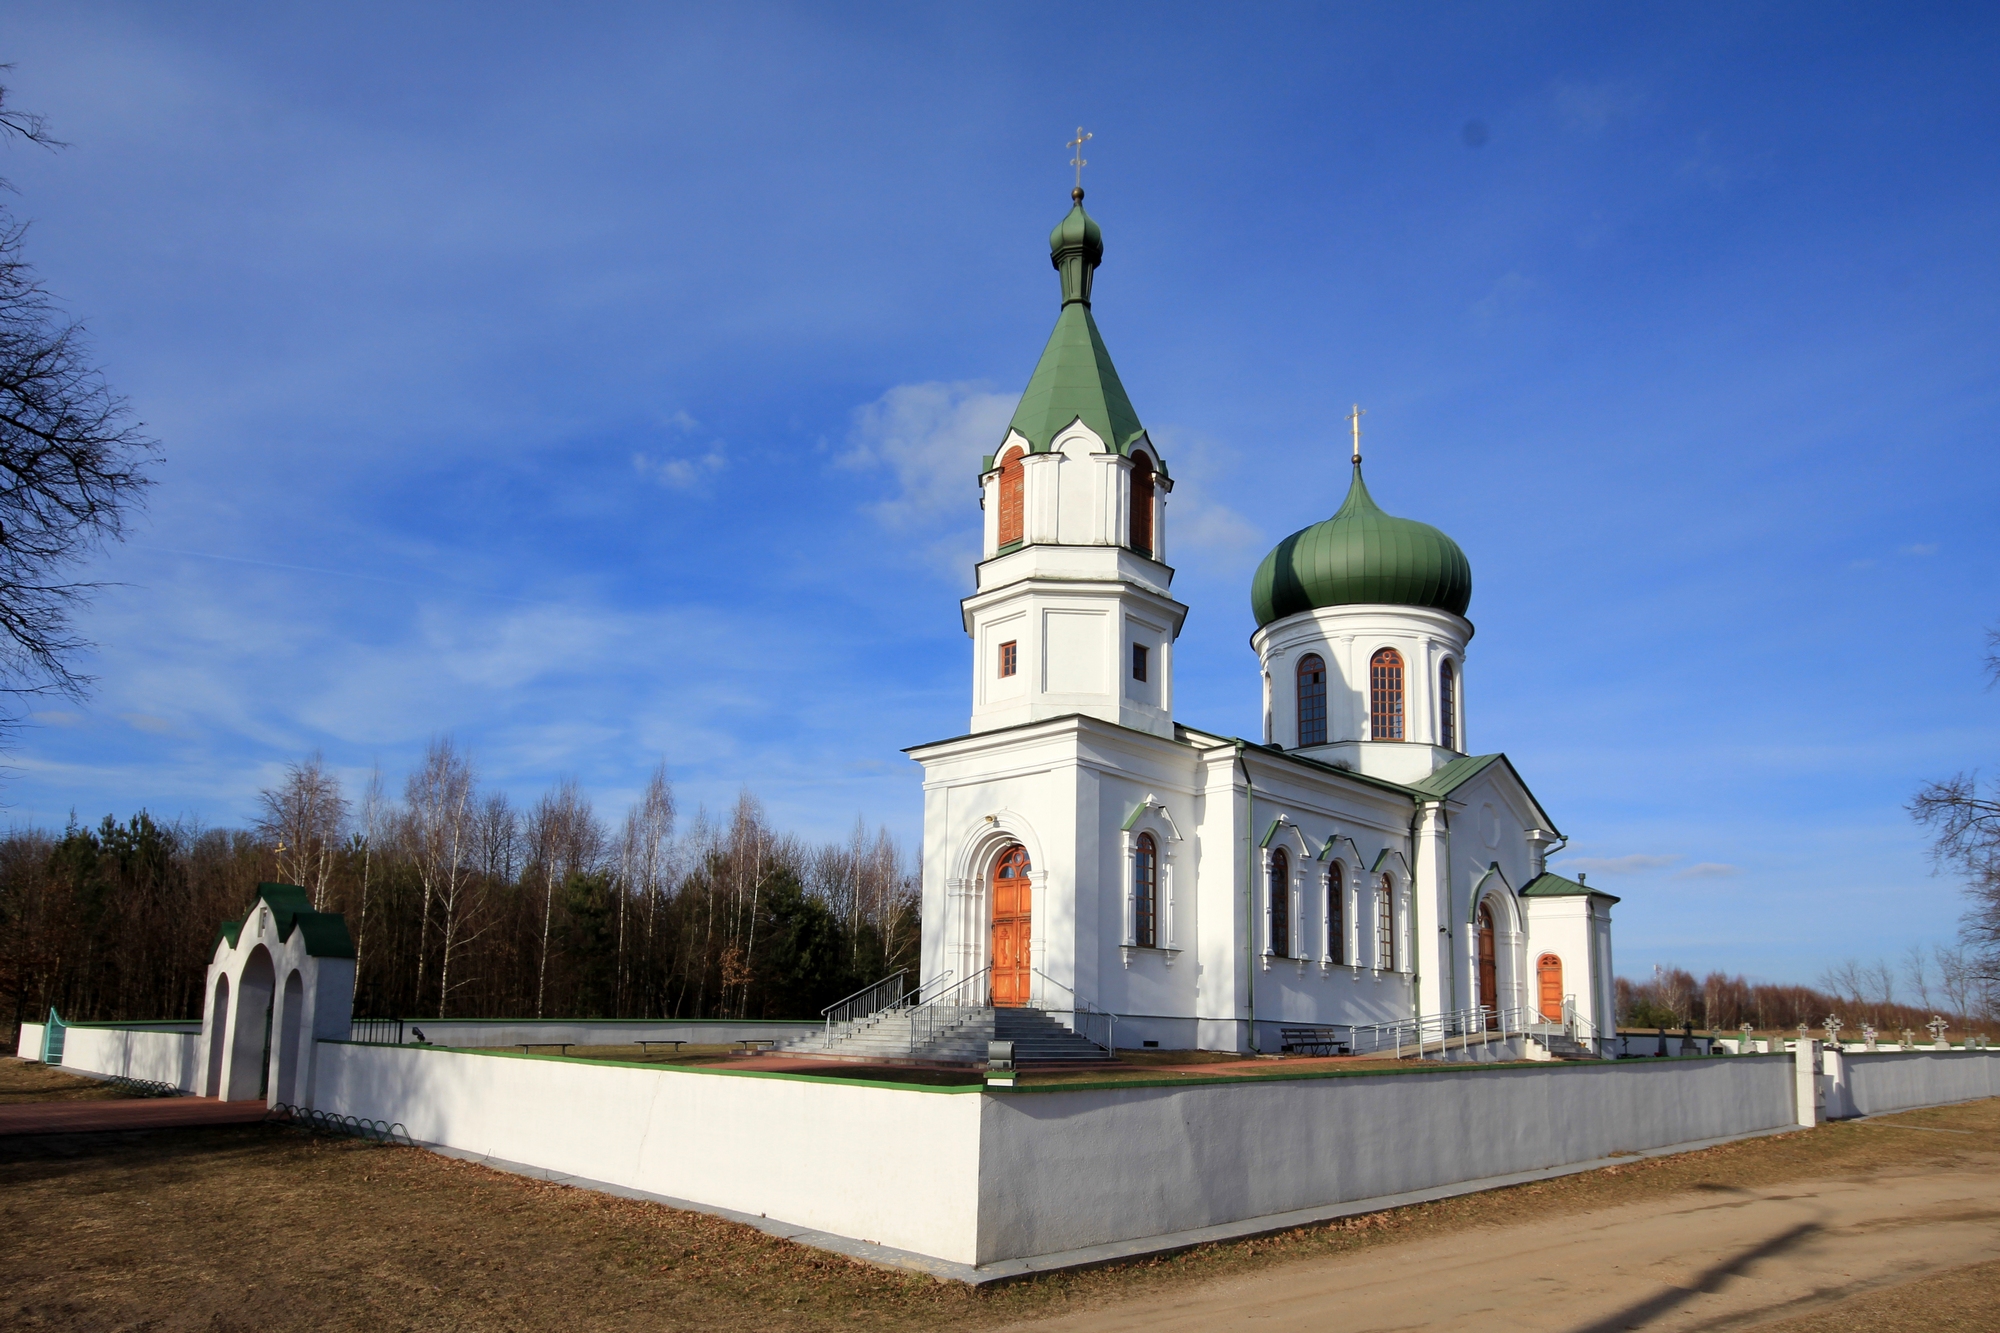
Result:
[250,1029]
[1549,973]
[1489,967]
[1012,918]
[218,1037]
[291,1022]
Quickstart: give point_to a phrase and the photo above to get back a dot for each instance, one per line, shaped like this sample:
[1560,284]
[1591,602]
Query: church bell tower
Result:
[1072,612]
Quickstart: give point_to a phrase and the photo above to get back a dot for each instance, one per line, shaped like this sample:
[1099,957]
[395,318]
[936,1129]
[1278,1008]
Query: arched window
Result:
[1336,914]
[1281,904]
[1012,484]
[1385,695]
[1489,966]
[1145,892]
[1142,504]
[1448,706]
[1312,700]
[1385,925]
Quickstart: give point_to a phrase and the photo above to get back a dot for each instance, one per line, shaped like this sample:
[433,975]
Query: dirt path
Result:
[1719,1257]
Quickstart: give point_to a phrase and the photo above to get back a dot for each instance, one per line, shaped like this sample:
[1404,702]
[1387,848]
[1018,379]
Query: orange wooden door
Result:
[1489,972]
[1012,916]
[1549,971]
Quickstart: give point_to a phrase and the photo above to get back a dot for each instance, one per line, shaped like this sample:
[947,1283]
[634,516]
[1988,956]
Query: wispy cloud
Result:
[1708,870]
[1633,864]
[930,438]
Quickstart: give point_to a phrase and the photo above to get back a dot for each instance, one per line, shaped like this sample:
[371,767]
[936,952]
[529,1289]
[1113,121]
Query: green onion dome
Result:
[1361,556]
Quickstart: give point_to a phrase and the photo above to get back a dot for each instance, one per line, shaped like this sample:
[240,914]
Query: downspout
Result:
[1450,936]
[1250,894]
[1416,953]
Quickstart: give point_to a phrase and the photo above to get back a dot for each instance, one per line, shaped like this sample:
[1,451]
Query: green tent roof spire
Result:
[1075,380]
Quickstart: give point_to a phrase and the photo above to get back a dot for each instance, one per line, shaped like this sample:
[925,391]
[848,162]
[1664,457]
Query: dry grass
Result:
[270,1229]
[26,1081]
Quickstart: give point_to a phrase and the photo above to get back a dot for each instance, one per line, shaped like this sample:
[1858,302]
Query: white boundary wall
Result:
[161,1057]
[1062,1171]
[1874,1083]
[29,1047]
[892,1166]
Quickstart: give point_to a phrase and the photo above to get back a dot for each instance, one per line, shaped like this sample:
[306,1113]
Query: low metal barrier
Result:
[322,1122]
[383,1031]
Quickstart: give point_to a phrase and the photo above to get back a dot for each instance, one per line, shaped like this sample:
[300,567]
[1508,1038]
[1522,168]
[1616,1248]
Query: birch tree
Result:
[304,818]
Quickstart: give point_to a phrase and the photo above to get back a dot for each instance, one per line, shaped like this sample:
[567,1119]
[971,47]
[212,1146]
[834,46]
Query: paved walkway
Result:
[93,1117]
[1716,1257]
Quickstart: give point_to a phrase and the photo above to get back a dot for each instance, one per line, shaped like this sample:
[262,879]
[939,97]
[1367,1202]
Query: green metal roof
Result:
[1361,556]
[1548,885]
[1075,380]
[325,933]
[1457,773]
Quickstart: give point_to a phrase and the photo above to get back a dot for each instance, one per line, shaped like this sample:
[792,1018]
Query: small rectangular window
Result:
[1009,658]
[1138,661]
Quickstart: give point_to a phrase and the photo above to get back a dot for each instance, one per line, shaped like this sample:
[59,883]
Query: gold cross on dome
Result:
[1354,418]
[1078,161]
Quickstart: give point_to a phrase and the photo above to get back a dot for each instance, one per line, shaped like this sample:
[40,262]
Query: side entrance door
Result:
[1549,972]
[1012,917]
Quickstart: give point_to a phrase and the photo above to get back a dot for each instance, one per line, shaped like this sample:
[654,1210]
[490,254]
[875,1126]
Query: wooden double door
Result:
[1013,921]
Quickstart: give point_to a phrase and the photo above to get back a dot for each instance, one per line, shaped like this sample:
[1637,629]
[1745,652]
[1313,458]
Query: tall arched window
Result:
[1385,695]
[1336,914]
[1448,706]
[1145,892]
[1312,700]
[1012,484]
[1142,504]
[1281,904]
[1385,925]
[1489,966]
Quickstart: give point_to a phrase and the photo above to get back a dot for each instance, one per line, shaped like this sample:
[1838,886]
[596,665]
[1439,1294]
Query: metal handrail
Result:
[924,1018]
[1082,1007]
[855,1006]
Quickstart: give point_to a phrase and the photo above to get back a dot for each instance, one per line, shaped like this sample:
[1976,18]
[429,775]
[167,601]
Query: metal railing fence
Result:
[1082,1010]
[884,994]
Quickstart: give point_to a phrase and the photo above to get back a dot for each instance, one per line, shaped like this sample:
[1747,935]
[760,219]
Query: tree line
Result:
[1945,982]
[462,904]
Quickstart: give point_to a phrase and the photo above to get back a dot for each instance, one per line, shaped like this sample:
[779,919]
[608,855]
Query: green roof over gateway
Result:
[1075,380]
[1361,556]
[291,909]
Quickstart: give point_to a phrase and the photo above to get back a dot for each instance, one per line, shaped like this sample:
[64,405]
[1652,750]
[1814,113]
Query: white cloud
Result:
[1636,863]
[1708,870]
[683,472]
[932,437]
[1921,548]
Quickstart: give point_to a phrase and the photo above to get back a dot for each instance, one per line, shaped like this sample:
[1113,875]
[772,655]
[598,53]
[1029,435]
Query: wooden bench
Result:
[647,1046]
[526,1045]
[751,1045]
[1310,1041]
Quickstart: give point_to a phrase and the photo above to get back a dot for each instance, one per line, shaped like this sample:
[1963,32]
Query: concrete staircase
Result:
[952,1036]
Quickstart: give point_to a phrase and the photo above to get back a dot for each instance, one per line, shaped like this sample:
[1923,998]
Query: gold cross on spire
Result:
[1354,418]
[1078,161]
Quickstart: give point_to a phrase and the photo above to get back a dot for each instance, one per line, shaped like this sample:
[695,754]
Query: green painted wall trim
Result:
[953,1089]
[1361,556]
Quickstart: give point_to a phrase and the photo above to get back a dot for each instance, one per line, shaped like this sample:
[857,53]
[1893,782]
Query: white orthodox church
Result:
[1085,850]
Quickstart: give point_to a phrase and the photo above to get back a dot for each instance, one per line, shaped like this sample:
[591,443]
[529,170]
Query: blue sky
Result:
[602,385]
